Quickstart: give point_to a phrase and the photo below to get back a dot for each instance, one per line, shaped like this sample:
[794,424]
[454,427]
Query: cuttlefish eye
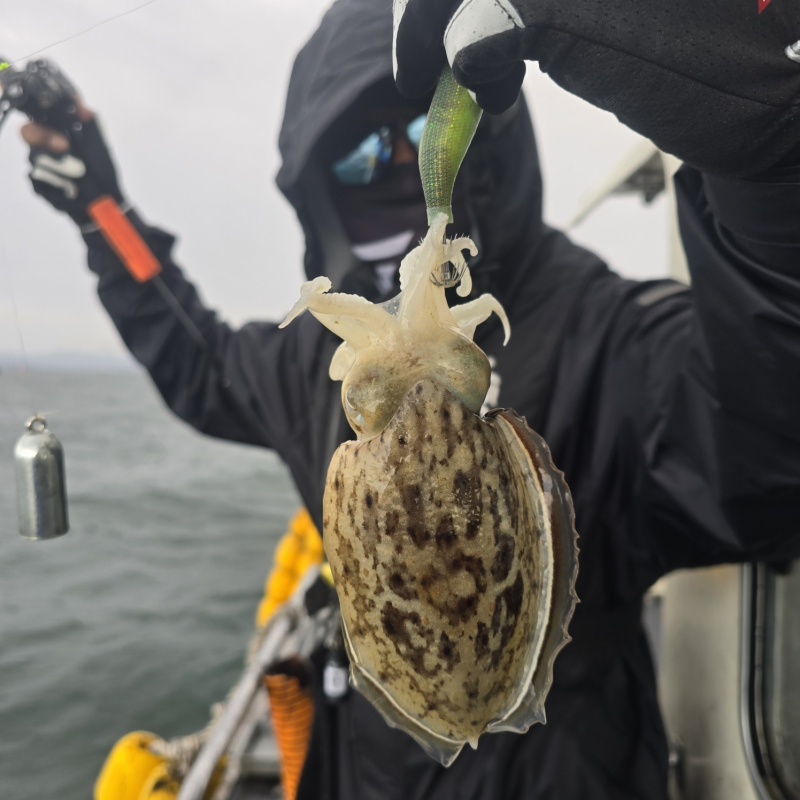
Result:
[351,404]
[372,392]
[465,372]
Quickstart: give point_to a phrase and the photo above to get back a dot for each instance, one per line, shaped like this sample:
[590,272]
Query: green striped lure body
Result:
[451,124]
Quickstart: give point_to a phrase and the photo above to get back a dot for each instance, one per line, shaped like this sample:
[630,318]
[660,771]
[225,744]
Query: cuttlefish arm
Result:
[419,270]
[416,330]
[351,317]
[469,315]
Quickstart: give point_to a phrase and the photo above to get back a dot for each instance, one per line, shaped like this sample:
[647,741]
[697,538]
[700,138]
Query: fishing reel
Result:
[42,92]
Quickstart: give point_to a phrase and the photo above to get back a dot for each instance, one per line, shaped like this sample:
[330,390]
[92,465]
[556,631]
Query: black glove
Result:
[72,180]
[715,82]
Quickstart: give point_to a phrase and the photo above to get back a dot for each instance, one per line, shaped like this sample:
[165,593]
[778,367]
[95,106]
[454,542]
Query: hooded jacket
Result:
[672,412]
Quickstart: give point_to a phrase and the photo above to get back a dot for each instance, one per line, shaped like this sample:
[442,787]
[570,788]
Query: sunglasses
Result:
[369,161]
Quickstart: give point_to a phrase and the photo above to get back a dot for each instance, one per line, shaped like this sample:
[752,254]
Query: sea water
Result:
[138,618]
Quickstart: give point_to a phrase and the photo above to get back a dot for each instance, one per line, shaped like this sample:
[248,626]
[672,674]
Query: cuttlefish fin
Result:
[469,315]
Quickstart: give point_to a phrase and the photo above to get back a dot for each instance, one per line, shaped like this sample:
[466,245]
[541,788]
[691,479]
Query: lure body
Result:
[452,121]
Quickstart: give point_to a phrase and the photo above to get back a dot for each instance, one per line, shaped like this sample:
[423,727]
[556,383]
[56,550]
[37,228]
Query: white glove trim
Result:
[398,9]
[476,20]
[67,186]
[59,172]
[67,166]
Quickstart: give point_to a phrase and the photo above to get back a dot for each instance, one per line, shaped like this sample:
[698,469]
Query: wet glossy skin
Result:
[438,538]
[450,536]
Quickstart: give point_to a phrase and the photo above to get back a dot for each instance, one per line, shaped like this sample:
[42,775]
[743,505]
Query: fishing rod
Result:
[42,92]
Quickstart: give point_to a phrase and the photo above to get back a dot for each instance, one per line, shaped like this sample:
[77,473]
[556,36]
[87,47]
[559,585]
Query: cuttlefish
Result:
[450,535]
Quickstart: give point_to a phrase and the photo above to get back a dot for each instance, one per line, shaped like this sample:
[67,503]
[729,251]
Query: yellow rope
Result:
[141,766]
[300,548]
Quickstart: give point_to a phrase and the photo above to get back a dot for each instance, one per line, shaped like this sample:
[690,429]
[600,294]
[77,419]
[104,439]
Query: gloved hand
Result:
[71,173]
[716,82]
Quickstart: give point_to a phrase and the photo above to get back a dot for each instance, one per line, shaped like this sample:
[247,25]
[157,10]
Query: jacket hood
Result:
[351,52]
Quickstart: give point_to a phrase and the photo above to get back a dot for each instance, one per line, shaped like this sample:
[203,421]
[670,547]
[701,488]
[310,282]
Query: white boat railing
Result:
[282,624]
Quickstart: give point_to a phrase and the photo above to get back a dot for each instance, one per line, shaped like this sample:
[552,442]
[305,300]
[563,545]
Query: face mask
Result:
[385,220]
[385,256]
[385,209]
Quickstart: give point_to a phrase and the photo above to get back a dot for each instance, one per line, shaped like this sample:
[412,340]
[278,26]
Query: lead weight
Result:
[41,485]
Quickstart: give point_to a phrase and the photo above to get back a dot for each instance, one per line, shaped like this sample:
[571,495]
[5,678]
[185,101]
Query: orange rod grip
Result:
[124,239]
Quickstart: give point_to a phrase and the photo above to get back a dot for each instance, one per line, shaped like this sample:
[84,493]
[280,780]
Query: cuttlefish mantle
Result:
[389,347]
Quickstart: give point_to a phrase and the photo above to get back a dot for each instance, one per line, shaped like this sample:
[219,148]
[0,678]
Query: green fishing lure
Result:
[452,120]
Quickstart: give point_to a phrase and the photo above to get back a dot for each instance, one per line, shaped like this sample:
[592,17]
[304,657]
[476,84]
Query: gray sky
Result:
[191,95]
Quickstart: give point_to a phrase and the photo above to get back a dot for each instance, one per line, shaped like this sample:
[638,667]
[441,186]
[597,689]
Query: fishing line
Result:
[81,33]
[6,269]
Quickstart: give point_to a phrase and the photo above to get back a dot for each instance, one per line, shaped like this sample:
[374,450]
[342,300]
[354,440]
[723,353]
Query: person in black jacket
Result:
[672,411]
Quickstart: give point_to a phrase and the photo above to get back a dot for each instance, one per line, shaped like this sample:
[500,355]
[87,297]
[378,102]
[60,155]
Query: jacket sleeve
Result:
[742,240]
[687,451]
[251,385]
[727,457]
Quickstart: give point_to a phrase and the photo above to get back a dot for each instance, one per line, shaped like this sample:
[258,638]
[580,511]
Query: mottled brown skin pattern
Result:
[433,540]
